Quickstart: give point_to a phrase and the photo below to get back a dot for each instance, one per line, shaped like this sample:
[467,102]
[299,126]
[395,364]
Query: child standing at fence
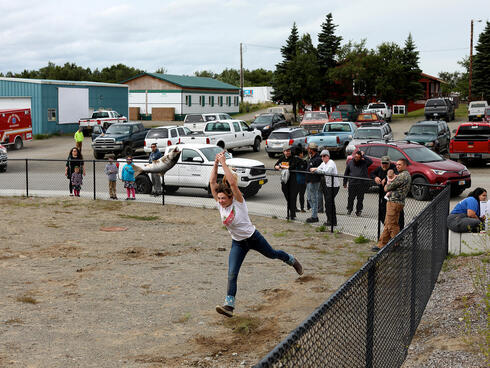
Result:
[76,181]
[127,177]
[111,172]
[390,176]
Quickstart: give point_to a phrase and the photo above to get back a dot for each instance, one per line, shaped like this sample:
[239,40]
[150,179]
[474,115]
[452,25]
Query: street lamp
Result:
[471,60]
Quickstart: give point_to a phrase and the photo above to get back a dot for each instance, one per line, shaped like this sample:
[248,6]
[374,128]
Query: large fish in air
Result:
[160,166]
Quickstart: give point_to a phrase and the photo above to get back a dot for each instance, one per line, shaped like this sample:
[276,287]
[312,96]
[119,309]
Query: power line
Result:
[441,50]
[263,46]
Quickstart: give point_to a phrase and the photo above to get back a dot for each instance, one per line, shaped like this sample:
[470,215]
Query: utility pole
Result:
[471,61]
[241,73]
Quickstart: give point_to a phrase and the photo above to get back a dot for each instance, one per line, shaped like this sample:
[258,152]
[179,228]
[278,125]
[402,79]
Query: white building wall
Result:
[155,99]
[255,95]
[197,108]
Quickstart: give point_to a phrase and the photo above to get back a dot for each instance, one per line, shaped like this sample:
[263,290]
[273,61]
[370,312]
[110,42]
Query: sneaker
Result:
[349,212]
[328,224]
[297,266]
[312,219]
[375,249]
[358,214]
[303,210]
[133,199]
[225,310]
[128,199]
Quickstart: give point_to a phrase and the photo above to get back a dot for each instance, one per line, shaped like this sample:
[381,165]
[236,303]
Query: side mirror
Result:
[406,133]
[197,159]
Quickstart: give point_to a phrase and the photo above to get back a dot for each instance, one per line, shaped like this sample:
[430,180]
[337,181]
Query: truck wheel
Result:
[221,144]
[169,189]
[99,155]
[143,184]
[18,144]
[250,191]
[3,168]
[271,154]
[420,192]
[127,151]
[256,146]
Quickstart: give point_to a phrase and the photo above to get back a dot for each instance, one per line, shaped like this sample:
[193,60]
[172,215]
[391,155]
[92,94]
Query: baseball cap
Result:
[325,153]
[385,160]
[286,147]
[313,146]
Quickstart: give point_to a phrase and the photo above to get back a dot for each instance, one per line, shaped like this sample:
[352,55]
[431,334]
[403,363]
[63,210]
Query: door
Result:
[190,170]
[248,134]
[239,135]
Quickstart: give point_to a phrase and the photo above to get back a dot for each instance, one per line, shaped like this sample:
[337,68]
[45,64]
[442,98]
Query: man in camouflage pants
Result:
[399,189]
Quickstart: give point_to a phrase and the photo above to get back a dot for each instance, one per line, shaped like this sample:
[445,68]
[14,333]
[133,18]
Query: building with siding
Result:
[170,97]
[56,106]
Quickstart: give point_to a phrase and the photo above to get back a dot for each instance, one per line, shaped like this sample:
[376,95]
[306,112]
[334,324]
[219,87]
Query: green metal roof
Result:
[190,82]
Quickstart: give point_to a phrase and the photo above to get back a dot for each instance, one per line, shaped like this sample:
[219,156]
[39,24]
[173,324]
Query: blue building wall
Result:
[45,96]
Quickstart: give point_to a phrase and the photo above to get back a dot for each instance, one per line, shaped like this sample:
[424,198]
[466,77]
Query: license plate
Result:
[314,131]
[478,116]
[470,155]
[261,182]
[461,182]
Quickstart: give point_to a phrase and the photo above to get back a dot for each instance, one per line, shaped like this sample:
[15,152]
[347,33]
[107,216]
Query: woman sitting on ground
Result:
[465,217]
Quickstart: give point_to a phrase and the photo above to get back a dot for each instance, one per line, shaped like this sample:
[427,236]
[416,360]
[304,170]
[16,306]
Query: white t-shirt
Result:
[329,168]
[235,218]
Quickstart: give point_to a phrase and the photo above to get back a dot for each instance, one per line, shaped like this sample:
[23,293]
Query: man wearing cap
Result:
[329,169]
[290,189]
[379,176]
[313,181]
[356,168]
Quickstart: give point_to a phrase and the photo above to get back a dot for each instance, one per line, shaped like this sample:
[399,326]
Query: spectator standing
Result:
[466,215]
[399,190]
[356,168]
[111,172]
[75,158]
[290,189]
[79,139]
[332,185]
[127,177]
[379,175]
[313,181]
[76,181]
[301,178]
[156,179]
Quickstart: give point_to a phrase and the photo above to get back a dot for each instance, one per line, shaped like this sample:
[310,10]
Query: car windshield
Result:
[422,154]
[279,135]
[367,133]
[217,127]
[211,152]
[157,133]
[434,103]
[423,130]
[478,105]
[474,130]
[335,115]
[334,127]
[315,115]
[118,129]
[263,119]
[376,106]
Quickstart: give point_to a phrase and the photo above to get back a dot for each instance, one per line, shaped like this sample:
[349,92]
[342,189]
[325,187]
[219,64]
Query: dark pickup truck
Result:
[471,142]
[349,112]
[120,139]
[439,108]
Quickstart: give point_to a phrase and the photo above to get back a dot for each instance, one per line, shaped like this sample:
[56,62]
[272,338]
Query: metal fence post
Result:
[93,166]
[163,190]
[370,315]
[413,279]
[380,201]
[27,177]
[332,203]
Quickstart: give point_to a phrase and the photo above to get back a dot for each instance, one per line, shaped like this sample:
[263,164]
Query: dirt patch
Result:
[73,295]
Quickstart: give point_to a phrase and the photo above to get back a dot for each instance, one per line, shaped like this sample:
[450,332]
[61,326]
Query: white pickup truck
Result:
[193,170]
[103,118]
[197,122]
[227,134]
[476,110]
[380,108]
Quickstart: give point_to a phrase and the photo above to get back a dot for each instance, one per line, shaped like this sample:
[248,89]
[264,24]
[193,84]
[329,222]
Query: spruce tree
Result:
[481,67]
[411,88]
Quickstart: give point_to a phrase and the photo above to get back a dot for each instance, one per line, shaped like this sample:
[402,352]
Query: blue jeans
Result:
[312,195]
[239,250]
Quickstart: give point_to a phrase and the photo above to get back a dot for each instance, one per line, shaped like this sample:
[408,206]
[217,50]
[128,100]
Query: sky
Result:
[184,36]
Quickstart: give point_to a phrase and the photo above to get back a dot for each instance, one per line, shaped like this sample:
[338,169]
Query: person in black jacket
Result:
[379,176]
[357,168]
[313,181]
[74,159]
[287,161]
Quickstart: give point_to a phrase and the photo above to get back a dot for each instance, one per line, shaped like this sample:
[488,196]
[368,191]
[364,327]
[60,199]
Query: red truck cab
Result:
[471,142]
[15,127]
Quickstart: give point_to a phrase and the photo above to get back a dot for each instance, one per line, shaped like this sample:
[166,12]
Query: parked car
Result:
[425,167]
[313,121]
[197,122]
[335,116]
[294,137]
[476,110]
[349,112]
[3,158]
[335,137]
[432,134]
[102,118]
[439,108]
[120,139]
[380,108]
[368,118]
[193,170]
[370,132]
[266,123]
[165,136]
[288,114]
[471,142]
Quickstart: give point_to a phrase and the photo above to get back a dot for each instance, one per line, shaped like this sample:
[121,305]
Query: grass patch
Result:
[26,299]
[243,325]
[326,236]
[106,205]
[184,318]
[361,239]
[321,229]
[354,266]
[461,111]
[141,218]
[280,235]
[412,114]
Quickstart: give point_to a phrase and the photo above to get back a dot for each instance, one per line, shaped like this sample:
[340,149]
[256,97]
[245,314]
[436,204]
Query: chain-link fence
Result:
[356,210]
[371,319]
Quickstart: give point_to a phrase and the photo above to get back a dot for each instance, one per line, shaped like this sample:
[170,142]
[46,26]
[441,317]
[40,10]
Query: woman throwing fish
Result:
[244,235]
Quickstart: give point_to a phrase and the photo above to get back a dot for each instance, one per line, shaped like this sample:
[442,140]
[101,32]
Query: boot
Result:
[225,310]
[297,266]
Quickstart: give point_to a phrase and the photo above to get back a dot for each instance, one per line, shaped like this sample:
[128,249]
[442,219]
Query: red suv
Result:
[425,166]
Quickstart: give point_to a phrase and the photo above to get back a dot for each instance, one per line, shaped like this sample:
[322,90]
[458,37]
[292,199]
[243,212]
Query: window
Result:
[173,133]
[188,100]
[375,151]
[236,125]
[228,100]
[51,114]
[184,131]
[244,125]
[189,154]
[394,154]
[236,100]
[220,100]
[157,133]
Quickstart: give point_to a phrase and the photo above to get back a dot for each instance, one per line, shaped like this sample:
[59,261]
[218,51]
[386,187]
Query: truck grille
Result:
[257,170]
[104,141]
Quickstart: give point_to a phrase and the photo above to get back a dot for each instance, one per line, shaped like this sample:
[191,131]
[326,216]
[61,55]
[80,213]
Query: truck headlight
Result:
[3,150]
[438,172]
[429,144]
